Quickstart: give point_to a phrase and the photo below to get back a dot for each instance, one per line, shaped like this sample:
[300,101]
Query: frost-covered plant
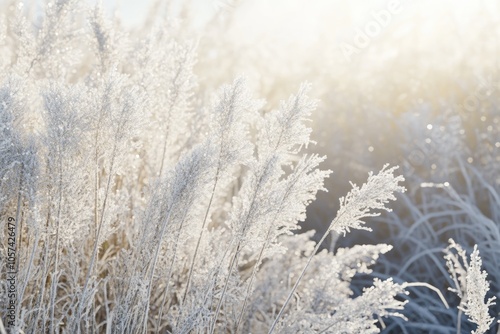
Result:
[470,285]
[144,203]
[356,205]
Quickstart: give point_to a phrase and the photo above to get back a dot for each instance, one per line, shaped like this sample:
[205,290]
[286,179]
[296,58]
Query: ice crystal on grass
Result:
[470,285]
[373,195]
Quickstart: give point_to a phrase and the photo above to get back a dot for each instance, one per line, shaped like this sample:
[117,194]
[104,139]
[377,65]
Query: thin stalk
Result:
[169,113]
[261,253]
[54,276]
[193,260]
[45,269]
[218,269]
[459,322]
[18,211]
[96,182]
[96,243]
[153,266]
[252,277]
[42,292]
[219,304]
[300,277]
[172,263]
[30,265]
[109,316]
[134,265]
[235,257]
[126,317]
[96,161]
[164,153]
[191,268]
[217,175]
[431,287]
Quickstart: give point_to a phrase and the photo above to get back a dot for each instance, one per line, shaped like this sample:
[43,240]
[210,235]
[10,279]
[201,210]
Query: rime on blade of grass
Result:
[471,286]
[109,111]
[231,111]
[176,99]
[325,295]
[379,299]
[106,97]
[180,189]
[196,314]
[358,204]
[123,121]
[165,74]
[293,194]
[282,134]
[163,68]
[169,86]
[128,289]
[64,128]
